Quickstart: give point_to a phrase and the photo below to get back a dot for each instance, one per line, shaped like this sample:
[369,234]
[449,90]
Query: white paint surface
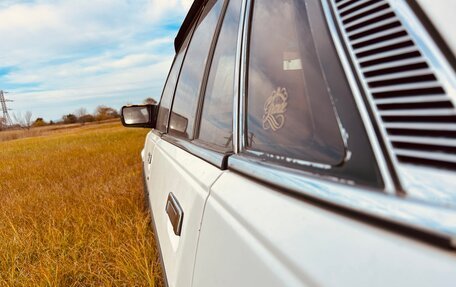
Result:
[253,235]
[442,13]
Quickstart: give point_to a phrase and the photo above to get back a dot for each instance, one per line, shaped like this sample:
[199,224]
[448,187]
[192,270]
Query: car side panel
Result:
[254,235]
[189,179]
[441,13]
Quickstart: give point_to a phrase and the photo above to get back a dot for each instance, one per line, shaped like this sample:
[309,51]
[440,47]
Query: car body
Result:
[306,143]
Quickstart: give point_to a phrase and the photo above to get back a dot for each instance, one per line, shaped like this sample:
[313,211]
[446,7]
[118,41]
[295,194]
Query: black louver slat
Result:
[418,117]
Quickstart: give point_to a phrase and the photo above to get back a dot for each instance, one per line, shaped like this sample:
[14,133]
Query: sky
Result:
[57,56]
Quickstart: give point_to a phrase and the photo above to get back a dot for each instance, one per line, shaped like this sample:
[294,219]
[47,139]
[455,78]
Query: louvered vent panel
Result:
[417,114]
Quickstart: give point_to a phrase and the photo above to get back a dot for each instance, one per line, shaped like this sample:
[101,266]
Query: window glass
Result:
[168,91]
[188,87]
[290,110]
[217,114]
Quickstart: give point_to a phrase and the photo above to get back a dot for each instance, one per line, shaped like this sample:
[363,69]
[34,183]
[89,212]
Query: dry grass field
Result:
[8,135]
[71,210]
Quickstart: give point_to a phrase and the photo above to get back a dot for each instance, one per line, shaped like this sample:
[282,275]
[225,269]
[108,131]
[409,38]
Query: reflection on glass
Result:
[188,87]
[168,91]
[179,125]
[216,118]
[135,115]
[290,113]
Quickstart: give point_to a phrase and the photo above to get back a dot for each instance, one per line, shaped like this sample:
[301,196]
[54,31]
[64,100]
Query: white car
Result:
[306,143]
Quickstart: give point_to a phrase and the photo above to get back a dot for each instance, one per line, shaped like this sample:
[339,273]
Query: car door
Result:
[179,179]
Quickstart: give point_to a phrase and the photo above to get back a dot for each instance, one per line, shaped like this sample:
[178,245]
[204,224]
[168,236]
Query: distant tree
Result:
[150,101]
[39,122]
[69,119]
[86,118]
[51,123]
[83,116]
[81,112]
[104,113]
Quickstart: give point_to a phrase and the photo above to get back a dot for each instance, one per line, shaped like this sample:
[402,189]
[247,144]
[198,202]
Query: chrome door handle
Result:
[175,213]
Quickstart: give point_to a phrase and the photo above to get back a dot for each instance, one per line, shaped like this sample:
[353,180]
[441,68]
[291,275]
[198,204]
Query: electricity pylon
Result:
[6,119]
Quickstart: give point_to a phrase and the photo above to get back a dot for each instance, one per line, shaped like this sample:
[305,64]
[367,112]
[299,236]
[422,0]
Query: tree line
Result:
[80,115]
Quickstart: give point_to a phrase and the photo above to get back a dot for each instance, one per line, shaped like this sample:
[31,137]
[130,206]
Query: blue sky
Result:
[57,56]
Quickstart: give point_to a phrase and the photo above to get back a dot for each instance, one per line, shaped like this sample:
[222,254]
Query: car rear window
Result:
[290,111]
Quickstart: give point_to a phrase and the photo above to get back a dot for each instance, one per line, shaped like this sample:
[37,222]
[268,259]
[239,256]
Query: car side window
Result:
[217,113]
[170,86]
[189,84]
[290,111]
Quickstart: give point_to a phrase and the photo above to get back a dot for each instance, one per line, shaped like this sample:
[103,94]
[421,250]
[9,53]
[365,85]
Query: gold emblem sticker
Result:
[274,110]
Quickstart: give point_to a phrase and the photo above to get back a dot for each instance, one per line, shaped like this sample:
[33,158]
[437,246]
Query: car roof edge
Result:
[185,27]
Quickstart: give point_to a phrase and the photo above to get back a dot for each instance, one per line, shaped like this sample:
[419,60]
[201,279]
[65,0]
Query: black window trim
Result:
[205,72]
[201,5]
[172,96]
[192,15]
[192,31]
[196,10]
[201,149]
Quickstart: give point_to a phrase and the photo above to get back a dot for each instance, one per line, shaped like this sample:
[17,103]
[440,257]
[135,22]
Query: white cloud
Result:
[70,51]
[159,7]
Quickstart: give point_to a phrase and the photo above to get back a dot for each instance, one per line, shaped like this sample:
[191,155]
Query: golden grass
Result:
[14,134]
[71,210]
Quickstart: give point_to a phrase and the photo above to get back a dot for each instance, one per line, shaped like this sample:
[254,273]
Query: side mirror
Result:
[139,116]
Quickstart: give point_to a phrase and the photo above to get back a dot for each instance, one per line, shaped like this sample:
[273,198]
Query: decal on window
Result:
[291,61]
[274,110]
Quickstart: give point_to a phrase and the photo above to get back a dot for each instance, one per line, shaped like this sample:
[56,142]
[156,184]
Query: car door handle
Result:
[175,213]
